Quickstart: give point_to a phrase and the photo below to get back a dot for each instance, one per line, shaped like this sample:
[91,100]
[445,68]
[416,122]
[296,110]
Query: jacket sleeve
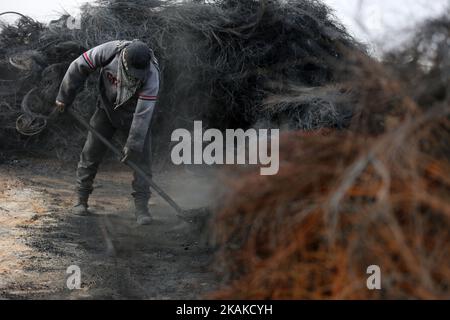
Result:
[82,67]
[144,110]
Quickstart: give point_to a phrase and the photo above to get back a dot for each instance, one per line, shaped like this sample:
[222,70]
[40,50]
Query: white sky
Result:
[42,10]
[383,23]
[378,16]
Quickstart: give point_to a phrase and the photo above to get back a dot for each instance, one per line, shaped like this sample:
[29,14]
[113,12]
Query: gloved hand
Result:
[129,154]
[60,106]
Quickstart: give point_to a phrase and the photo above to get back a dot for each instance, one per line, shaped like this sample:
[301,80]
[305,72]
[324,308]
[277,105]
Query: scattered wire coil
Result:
[30,123]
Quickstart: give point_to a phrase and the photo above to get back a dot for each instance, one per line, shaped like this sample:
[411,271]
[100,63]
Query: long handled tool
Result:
[130,163]
[31,123]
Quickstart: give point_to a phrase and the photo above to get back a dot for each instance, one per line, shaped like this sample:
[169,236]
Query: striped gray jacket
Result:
[135,114]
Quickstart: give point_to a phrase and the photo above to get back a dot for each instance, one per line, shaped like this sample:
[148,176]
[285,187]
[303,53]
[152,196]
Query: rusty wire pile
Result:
[377,193]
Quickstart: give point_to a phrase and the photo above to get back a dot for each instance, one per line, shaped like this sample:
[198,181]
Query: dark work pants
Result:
[94,151]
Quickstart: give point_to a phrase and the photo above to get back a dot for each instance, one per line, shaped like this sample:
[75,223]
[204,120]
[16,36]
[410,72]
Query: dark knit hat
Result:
[137,59]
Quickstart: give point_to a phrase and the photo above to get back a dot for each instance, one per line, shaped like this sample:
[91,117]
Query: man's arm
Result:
[80,69]
[144,110]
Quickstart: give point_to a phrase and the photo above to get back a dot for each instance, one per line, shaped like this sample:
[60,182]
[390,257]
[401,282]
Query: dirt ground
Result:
[40,239]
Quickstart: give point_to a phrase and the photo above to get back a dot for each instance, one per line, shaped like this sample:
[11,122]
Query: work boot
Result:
[143,216]
[81,208]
